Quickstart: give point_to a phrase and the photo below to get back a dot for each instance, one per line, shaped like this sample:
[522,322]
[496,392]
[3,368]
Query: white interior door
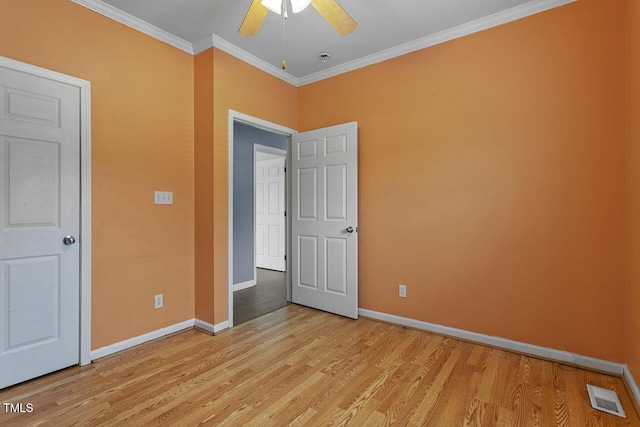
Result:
[270,214]
[39,206]
[324,225]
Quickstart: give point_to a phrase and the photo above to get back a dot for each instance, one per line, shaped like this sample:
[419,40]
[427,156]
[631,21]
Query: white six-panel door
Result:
[270,219]
[324,221]
[39,206]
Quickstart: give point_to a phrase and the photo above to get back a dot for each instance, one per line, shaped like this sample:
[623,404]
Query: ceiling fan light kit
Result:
[276,5]
[330,10]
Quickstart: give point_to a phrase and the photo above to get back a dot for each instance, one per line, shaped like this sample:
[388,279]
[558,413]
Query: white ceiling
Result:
[385,29]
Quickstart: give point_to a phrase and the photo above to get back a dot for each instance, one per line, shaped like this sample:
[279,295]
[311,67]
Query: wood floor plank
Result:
[303,418]
[475,414]
[301,367]
[424,412]
[489,379]
[505,418]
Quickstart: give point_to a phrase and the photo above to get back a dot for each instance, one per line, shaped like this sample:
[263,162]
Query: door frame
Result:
[236,116]
[85,192]
[283,153]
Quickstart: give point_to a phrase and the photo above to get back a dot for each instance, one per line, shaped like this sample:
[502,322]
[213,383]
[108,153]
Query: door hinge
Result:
[285,257]
[285,213]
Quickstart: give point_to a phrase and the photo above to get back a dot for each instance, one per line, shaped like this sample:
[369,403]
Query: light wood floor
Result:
[297,366]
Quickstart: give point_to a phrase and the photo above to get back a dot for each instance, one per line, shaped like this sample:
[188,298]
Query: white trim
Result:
[289,242]
[85,192]
[208,327]
[244,285]
[631,382]
[251,59]
[204,44]
[503,17]
[205,326]
[481,24]
[516,346]
[261,124]
[233,50]
[141,339]
[85,224]
[219,327]
[136,23]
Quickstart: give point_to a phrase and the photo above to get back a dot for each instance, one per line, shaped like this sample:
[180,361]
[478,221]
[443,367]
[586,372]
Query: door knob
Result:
[349,229]
[69,240]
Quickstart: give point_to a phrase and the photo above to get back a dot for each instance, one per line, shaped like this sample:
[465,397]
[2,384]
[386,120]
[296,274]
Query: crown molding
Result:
[509,15]
[135,23]
[487,22]
[202,45]
[251,59]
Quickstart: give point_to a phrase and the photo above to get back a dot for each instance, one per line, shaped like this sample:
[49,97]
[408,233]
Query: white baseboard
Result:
[520,347]
[632,384]
[243,285]
[212,329]
[141,339]
[150,336]
[205,326]
[220,326]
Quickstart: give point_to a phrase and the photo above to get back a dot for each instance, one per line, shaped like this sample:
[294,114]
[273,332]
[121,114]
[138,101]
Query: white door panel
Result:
[325,195]
[39,205]
[270,215]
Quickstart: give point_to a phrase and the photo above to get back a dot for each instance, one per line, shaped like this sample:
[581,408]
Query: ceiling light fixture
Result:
[276,5]
[330,10]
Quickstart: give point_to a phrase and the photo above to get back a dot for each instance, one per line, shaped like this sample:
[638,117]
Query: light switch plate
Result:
[163,197]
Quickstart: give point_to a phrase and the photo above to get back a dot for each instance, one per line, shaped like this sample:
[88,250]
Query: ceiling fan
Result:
[329,9]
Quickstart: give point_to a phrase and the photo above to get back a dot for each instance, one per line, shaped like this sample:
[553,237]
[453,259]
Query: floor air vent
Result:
[605,400]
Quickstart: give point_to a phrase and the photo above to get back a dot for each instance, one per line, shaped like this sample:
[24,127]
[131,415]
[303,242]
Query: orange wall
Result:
[142,140]
[491,178]
[491,171]
[203,187]
[246,89]
[633,189]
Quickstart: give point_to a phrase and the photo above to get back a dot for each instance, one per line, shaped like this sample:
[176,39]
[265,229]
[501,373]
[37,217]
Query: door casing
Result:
[235,116]
[85,192]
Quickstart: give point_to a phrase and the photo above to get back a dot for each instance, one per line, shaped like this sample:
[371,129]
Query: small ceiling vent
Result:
[605,400]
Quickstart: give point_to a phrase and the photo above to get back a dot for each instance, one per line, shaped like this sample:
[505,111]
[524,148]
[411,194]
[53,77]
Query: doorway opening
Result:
[258,199]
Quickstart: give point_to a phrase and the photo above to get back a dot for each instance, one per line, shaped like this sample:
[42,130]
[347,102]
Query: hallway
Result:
[268,295]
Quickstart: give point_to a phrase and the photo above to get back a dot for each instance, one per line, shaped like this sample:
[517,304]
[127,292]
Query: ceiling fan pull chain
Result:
[284,45]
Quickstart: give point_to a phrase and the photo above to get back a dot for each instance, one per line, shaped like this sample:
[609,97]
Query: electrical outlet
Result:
[159,303]
[402,291]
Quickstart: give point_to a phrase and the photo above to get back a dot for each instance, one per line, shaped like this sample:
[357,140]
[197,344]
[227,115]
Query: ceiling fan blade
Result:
[335,15]
[253,19]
